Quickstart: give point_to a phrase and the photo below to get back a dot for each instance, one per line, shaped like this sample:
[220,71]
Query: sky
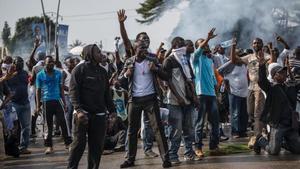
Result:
[100,24]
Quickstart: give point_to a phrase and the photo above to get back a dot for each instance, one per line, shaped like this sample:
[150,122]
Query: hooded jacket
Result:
[89,86]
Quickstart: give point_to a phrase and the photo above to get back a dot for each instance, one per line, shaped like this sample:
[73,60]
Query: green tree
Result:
[22,41]
[150,10]
[6,34]
[76,43]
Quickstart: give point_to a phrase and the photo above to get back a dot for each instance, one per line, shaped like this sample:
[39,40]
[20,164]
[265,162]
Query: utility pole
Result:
[53,16]
[56,23]
[46,29]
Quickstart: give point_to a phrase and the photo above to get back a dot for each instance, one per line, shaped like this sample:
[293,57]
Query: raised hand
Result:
[287,62]
[37,42]
[211,34]
[270,45]
[261,58]
[121,15]
[234,41]
[279,38]
[161,44]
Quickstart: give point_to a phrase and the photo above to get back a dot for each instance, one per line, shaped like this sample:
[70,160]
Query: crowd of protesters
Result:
[172,96]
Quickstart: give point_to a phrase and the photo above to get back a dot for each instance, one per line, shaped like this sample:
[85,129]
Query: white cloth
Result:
[238,81]
[120,104]
[179,55]
[67,80]
[105,67]
[142,80]
[31,98]
[282,56]
[270,67]
[40,63]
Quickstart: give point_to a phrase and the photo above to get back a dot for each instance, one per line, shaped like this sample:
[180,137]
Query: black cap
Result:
[277,69]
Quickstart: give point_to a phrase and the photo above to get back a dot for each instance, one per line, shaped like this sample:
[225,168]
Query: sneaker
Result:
[251,142]
[199,153]
[151,154]
[127,164]
[191,158]
[175,161]
[223,138]
[120,148]
[188,158]
[107,152]
[25,151]
[49,150]
[166,164]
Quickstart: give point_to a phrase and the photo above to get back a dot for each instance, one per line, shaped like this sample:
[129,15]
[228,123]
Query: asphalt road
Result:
[38,160]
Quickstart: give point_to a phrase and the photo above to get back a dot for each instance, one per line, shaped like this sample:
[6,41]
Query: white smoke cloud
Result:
[253,17]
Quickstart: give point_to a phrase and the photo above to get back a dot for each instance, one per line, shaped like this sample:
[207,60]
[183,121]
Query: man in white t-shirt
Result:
[238,92]
[139,75]
[70,64]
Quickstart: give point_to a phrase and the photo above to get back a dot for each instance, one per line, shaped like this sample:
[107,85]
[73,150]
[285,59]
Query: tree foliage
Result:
[23,39]
[6,34]
[150,10]
[75,43]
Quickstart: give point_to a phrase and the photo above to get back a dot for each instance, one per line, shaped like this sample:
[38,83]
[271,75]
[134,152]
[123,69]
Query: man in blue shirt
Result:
[18,86]
[205,82]
[50,92]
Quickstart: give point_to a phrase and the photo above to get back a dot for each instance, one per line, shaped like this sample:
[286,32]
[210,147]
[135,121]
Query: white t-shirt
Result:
[219,60]
[142,80]
[105,67]
[238,81]
[67,80]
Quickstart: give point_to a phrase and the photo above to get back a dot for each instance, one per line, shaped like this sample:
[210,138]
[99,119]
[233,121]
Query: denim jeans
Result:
[10,116]
[151,108]
[148,135]
[180,124]
[277,135]
[208,104]
[24,116]
[238,113]
[164,115]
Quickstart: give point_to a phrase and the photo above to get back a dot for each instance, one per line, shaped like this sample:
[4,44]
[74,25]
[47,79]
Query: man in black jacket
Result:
[279,111]
[91,98]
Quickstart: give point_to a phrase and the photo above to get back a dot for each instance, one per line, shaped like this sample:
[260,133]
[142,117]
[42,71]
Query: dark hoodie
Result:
[89,86]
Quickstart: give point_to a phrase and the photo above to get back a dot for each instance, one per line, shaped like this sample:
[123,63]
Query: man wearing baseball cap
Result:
[279,111]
